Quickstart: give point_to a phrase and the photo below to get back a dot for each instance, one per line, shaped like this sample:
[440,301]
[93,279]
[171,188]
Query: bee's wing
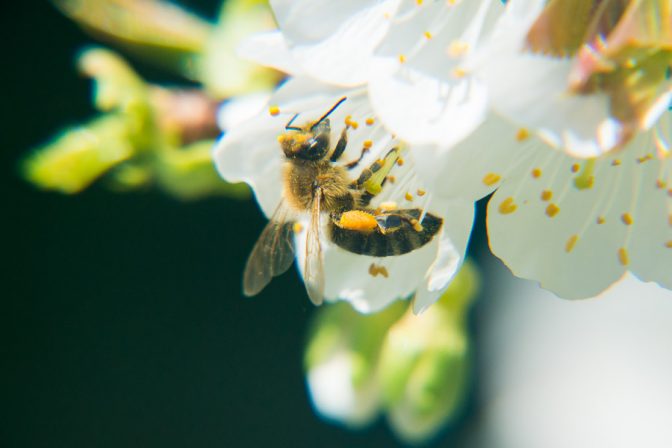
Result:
[313,273]
[272,254]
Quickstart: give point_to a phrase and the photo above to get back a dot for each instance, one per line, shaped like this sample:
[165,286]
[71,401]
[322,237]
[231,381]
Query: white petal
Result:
[422,93]
[238,110]
[473,167]
[596,233]
[270,49]
[333,41]
[459,218]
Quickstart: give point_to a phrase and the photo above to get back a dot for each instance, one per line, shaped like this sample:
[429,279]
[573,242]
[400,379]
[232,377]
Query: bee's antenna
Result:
[289,127]
[333,108]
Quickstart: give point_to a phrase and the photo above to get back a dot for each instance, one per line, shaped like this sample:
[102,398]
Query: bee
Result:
[314,183]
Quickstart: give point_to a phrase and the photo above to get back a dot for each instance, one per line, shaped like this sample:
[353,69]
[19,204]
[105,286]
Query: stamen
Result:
[298,227]
[274,110]
[601,220]
[627,219]
[420,192]
[571,242]
[552,210]
[522,134]
[546,195]
[369,121]
[491,179]
[536,173]
[378,270]
[507,206]
[623,256]
[408,197]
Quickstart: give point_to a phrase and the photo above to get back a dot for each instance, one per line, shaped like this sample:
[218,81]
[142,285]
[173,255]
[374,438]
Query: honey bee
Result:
[314,183]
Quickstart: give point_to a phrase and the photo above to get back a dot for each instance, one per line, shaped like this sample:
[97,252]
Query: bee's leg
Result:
[354,163]
[340,146]
[372,179]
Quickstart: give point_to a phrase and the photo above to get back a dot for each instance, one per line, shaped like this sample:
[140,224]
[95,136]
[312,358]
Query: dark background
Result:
[122,322]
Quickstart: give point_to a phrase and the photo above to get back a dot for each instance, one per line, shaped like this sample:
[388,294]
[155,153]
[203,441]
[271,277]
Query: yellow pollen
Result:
[546,195]
[626,218]
[507,206]
[418,2]
[400,161]
[428,35]
[350,122]
[369,121]
[408,196]
[392,178]
[660,184]
[623,256]
[298,227]
[601,220]
[571,242]
[522,134]
[417,226]
[536,173]
[457,48]
[402,58]
[669,244]
[357,220]
[378,270]
[552,210]
[459,73]
[388,205]
[367,144]
[274,110]
[491,179]
[615,162]
[421,192]
[575,167]
[644,158]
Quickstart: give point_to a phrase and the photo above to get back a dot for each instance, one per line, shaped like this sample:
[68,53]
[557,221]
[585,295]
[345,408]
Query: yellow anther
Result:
[459,73]
[546,195]
[400,161]
[392,178]
[644,158]
[367,144]
[298,227]
[669,192]
[491,179]
[408,196]
[571,242]
[623,256]
[507,206]
[536,173]
[669,244]
[669,219]
[369,121]
[601,220]
[357,220]
[627,219]
[418,2]
[428,35]
[552,210]
[402,58]
[421,192]
[615,162]
[575,167]
[416,225]
[660,184]
[457,48]
[522,134]
[378,270]
[274,110]
[388,205]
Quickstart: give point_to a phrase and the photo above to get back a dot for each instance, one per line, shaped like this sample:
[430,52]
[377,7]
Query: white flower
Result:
[577,226]
[251,153]
[456,85]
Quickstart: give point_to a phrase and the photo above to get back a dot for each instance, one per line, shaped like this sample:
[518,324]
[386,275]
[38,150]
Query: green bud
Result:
[341,362]
[424,363]
[79,156]
[159,31]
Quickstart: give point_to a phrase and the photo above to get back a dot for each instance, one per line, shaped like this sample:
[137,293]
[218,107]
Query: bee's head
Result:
[309,142]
